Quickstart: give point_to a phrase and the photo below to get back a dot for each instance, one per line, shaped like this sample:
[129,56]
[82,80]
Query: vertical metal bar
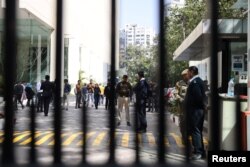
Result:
[137,148]
[10,75]
[215,115]
[162,67]
[85,131]
[32,129]
[238,123]
[113,77]
[57,100]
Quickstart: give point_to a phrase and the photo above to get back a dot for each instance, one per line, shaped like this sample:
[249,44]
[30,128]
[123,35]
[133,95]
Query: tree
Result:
[139,58]
[181,22]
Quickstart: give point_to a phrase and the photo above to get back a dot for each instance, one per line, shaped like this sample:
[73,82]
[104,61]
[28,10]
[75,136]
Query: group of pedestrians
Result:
[42,93]
[90,94]
[23,91]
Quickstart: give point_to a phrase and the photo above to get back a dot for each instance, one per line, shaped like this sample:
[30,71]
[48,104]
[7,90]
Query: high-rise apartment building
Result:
[134,35]
[138,35]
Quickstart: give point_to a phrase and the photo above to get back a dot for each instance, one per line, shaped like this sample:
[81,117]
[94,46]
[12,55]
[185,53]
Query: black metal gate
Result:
[8,158]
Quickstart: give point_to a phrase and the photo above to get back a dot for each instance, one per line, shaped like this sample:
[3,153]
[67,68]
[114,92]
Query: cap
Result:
[184,72]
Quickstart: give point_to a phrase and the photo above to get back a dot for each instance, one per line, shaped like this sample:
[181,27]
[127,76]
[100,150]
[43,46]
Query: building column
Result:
[39,63]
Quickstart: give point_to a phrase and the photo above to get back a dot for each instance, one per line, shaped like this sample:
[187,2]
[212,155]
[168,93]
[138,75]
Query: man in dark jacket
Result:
[141,91]
[195,104]
[47,88]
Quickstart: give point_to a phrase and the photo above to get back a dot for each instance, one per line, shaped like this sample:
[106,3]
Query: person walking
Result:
[141,92]
[97,93]
[107,92]
[90,87]
[18,91]
[66,91]
[47,87]
[124,92]
[181,89]
[78,94]
[39,97]
[84,92]
[195,104]
[101,94]
[29,93]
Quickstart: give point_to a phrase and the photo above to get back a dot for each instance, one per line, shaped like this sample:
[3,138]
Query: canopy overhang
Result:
[195,46]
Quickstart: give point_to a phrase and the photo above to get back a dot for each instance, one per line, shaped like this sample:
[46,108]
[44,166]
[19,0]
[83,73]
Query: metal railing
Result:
[8,158]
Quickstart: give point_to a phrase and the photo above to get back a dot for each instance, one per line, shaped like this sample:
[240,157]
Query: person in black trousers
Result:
[47,88]
[195,104]
[141,90]
[107,92]
[97,92]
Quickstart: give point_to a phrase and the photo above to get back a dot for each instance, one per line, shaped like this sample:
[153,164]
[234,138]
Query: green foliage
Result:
[139,58]
[178,25]
[181,22]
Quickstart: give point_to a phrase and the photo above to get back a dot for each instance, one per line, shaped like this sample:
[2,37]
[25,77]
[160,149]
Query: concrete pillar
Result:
[52,71]
[39,54]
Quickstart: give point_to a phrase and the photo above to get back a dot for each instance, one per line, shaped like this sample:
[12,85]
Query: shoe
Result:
[66,109]
[196,157]
[118,124]
[46,115]
[128,124]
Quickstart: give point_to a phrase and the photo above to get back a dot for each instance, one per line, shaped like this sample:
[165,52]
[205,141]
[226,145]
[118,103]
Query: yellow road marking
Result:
[26,133]
[18,138]
[38,134]
[87,136]
[99,139]
[70,139]
[125,139]
[44,139]
[53,141]
[151,139]
[177,139]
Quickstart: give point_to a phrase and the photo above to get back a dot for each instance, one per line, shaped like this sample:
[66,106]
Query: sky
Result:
[141,12]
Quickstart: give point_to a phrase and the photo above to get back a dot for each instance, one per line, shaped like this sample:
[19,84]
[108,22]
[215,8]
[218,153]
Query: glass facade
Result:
[33,49]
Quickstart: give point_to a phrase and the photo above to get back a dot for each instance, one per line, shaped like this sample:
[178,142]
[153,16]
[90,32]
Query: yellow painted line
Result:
[44,139]
[99,139]
[80,143]
[167,142]
[21,132]
[125,139]
[177,139]
[71,138]
[18,138]
[151,139]
[38,134]
[53,141]
[24,133]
